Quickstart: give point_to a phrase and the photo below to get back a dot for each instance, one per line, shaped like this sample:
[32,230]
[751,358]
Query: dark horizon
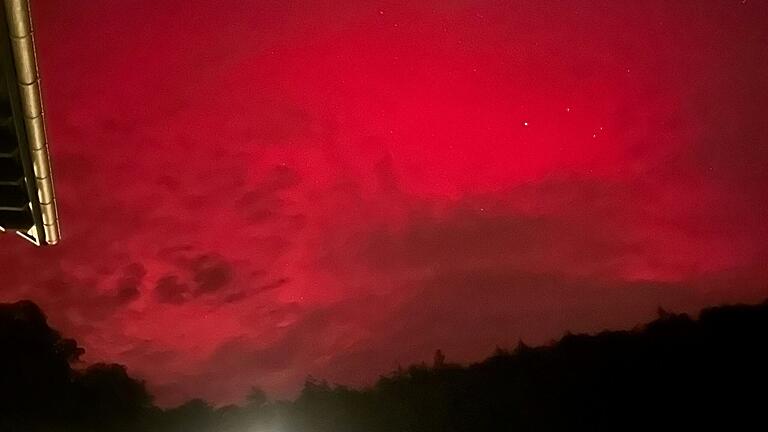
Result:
[682,371]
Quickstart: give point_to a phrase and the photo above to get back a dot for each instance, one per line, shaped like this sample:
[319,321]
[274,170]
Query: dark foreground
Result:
[673,373]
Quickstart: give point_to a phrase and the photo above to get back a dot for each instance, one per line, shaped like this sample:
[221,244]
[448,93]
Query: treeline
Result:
[674,372]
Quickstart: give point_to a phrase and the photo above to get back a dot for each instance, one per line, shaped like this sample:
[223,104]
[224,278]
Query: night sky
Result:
[252,192]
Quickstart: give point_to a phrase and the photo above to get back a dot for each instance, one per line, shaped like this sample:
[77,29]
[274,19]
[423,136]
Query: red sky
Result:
[255,191]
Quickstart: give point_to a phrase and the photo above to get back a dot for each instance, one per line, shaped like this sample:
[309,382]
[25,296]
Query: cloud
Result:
[169,290]
[263,202]
[195,275]
[128,286]
[258,289]
[571,226]
[210,274]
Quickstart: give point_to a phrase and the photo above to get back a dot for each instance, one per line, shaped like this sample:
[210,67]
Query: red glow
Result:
[252,192]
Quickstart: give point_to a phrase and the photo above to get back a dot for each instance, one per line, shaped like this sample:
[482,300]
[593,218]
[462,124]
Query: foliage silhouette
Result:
[674,372]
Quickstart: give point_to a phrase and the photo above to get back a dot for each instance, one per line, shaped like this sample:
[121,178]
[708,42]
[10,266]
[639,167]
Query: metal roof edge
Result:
[28,82]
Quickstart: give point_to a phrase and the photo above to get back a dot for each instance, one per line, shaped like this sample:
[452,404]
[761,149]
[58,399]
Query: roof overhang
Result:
[27,126]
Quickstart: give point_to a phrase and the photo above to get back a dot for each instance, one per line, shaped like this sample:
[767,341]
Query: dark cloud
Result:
[206,273]
[570,225]
[127,293]
[263,202]
[245,293]
[505,303]
[128,285]
[210,274]
[169,290]
[235,297]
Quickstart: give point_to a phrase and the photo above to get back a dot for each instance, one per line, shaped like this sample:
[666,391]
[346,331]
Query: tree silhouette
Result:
[40,391]
[109,398]
[674,372]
